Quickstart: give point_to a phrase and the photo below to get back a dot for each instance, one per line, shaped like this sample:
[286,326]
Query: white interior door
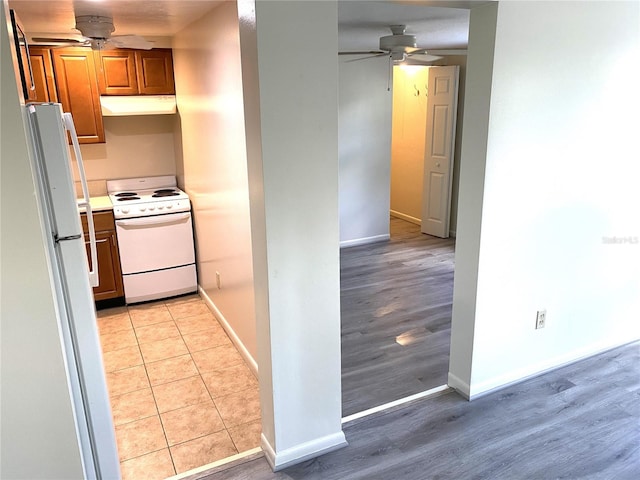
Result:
[442,105]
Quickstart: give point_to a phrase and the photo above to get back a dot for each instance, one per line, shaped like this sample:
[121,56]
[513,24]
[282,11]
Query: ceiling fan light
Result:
[397,42]
[95,26]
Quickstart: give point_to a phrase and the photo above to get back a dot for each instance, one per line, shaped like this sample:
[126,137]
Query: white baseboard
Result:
[406,217]
[219,465]
[458,385]
[396,403]
[253,365]
[364,241]
[512,378]
[300,453]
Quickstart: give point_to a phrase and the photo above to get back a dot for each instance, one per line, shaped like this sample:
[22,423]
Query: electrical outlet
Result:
[218,280]
[541,319]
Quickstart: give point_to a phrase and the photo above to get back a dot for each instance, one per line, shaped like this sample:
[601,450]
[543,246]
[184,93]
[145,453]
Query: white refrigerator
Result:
[72,282]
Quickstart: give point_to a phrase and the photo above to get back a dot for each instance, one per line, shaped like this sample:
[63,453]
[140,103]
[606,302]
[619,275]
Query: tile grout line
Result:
[226,428]
[213,401]
[199,375]
[155,401]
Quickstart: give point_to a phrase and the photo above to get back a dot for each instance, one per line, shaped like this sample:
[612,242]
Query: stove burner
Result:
[165,190]
[124,199]
[165,193]
[126,194]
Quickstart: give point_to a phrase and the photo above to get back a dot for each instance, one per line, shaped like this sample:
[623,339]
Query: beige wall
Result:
[38,436]
[137,146]
[212,164]
[407,140]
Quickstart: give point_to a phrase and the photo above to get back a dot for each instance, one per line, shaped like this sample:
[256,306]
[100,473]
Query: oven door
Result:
[155,243]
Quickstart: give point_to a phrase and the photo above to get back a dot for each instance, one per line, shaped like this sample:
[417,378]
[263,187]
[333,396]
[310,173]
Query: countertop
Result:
[99,204]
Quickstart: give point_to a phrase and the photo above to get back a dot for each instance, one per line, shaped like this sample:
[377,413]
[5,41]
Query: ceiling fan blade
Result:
[54,40]
[130,41]
[367,58]
[369,52]
[451,51]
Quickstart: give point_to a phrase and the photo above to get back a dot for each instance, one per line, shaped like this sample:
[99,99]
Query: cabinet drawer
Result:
[101,220]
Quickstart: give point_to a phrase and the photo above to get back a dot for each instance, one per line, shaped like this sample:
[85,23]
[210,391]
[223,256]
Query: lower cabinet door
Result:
[109,273]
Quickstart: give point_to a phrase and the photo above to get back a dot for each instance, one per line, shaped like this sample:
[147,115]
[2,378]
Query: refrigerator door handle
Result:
[85,202]
[72,237]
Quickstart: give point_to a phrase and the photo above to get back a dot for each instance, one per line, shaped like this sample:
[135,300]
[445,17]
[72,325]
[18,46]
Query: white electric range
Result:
[155,237]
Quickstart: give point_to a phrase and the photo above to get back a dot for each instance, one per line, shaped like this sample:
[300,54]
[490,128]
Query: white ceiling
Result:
[360,23]
[130,17]
[435,24]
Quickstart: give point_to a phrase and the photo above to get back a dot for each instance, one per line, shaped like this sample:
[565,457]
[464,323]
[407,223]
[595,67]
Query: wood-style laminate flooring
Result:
[581,421]
[396,299]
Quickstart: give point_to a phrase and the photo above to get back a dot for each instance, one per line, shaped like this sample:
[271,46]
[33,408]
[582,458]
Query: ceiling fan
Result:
[96,32]
[402,48]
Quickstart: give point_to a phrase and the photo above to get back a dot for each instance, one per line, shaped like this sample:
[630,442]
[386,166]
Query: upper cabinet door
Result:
[155,71]
[116,70]
[78,91]
[43,77]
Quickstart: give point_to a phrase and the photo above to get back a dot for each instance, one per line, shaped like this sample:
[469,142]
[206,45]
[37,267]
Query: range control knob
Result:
[142,209]
[169,206]
[125,210]
[160,207]
[152,208]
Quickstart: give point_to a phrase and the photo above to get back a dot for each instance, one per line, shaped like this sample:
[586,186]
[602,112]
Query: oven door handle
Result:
[155,220]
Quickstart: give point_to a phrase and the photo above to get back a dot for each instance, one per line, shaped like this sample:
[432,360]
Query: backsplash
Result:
[136,146]
[97,188]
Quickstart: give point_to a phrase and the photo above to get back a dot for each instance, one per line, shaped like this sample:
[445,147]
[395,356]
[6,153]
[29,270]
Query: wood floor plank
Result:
[581,421]
[396,302]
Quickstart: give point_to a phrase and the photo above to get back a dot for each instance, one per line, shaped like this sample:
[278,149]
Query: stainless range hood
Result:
[118,106]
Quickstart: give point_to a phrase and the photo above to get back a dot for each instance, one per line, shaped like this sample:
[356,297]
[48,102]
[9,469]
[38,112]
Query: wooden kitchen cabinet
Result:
[77,87]
[135,72]
[43,77]
[154,69]
[116,71]
[109,272]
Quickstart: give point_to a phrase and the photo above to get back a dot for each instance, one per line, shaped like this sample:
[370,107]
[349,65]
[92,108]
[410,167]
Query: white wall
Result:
[37,434]
[409,127]
[291,112]
[213,165]
[560,178]
[364,149]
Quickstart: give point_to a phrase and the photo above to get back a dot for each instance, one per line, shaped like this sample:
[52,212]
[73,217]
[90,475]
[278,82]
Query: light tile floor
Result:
[181,394]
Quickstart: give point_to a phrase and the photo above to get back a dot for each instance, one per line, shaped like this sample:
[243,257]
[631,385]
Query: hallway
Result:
[396,302]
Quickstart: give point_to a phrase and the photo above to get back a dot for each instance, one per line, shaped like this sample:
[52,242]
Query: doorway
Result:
[396,295]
